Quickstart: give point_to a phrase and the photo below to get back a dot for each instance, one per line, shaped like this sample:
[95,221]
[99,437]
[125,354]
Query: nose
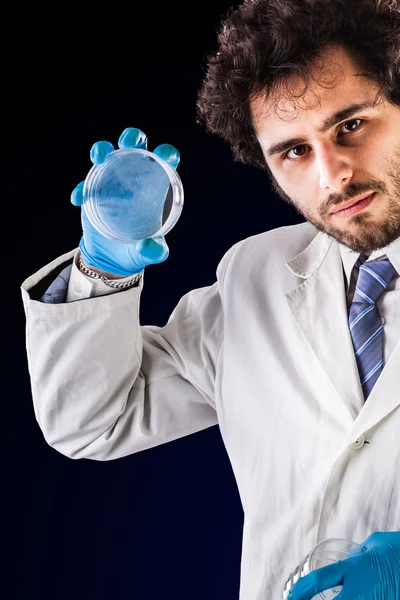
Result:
[334,167]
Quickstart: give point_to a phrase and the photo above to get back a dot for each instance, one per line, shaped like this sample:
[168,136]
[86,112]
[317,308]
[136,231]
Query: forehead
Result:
[336,82]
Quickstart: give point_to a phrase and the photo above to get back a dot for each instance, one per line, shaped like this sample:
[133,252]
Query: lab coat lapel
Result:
[319,306]
[383,399]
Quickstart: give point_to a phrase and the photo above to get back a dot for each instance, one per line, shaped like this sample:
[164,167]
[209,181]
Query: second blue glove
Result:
[372,572]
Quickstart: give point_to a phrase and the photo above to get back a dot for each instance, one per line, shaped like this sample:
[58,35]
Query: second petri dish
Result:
[325,553]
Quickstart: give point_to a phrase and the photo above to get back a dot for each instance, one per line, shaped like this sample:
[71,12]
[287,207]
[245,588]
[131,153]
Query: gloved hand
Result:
[107,255]
[372,572]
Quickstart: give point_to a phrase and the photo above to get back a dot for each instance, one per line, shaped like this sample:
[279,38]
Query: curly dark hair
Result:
[262,43]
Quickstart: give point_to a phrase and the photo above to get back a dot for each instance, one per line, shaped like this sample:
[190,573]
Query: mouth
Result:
[354,206]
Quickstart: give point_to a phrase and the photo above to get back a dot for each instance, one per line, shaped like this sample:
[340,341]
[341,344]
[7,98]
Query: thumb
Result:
[318,581]
[77,194]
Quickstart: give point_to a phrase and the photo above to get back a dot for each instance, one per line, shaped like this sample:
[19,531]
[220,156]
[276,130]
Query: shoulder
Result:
[279,244]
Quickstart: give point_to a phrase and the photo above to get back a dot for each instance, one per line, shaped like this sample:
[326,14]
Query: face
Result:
[356,155]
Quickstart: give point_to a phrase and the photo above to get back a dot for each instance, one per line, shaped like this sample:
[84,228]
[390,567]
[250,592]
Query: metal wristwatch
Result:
[120,285]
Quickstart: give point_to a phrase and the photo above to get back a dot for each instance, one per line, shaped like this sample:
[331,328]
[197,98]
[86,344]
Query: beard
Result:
[367,232]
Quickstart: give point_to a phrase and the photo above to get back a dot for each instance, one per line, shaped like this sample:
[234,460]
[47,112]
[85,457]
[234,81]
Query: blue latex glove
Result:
[372,572]
[107,255]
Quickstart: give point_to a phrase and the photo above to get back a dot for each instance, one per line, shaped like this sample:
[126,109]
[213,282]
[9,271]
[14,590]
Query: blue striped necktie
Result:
[365,321]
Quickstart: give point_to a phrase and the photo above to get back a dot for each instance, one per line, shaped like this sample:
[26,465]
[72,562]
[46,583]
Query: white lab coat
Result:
[266,353]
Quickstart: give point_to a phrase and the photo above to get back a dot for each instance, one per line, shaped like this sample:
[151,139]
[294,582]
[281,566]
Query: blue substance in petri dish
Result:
[130,194]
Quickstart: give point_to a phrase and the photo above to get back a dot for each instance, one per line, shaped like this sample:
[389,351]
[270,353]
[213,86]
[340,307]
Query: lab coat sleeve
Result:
[103,386]
[71,284]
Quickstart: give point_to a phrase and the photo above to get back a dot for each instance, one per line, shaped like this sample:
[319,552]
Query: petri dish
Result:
[325,553]
[132,196]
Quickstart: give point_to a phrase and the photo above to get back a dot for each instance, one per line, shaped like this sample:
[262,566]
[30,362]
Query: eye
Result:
[286,155]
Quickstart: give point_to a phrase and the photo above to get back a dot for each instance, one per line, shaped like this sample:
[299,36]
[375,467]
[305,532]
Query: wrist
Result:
[103,266]
[100,272]
[118,283]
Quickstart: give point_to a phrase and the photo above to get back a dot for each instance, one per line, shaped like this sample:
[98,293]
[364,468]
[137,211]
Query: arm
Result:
[104,386]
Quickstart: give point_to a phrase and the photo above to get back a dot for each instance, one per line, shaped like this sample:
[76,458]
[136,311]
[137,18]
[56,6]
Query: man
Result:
[294,351]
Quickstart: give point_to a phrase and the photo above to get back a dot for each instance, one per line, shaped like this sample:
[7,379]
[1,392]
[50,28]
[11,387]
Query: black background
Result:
[163,524]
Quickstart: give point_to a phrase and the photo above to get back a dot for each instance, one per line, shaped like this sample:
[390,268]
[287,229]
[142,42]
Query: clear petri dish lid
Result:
[132,196]
[330,551]
[324,553]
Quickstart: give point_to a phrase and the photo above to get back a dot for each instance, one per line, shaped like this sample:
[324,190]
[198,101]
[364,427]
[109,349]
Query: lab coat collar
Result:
[310,259]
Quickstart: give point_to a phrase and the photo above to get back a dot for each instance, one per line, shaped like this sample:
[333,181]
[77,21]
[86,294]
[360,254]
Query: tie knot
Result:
[373,279]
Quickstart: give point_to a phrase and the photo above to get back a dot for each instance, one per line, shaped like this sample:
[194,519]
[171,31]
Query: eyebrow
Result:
[331,121]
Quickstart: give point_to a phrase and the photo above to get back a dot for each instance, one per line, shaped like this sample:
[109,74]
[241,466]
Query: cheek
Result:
[304,197]
[307,204]
[371,164]
[367,159]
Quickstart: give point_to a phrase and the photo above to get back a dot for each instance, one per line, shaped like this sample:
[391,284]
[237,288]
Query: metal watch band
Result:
[120,285]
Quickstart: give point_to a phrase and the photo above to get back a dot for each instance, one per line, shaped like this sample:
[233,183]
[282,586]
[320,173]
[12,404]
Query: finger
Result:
[100,151]
[356,551]
[168,153]
[77,194]
[153,250]
[343,595]
[132,137]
